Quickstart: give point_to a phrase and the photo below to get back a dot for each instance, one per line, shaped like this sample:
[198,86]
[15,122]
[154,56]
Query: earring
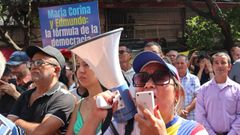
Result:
[176,101]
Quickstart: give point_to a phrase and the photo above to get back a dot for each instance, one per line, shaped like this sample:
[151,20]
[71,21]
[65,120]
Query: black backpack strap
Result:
[129,127]
[107,121]
[115,132]
[126,79]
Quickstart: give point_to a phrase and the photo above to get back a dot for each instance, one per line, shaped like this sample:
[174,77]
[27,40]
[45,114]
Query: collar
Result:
[128,71]
[227,83]
[187,75]
[237,61]
[172,122]
[52,90]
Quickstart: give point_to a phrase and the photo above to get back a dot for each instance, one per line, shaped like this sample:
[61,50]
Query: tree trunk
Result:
[215,14]
[6,38]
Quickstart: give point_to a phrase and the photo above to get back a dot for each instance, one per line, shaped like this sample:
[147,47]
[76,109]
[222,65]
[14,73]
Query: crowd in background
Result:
[48,91]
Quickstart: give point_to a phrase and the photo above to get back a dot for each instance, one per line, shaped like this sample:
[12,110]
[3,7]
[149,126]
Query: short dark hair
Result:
[182,55]
[152,43]
[222,54]
[127,48]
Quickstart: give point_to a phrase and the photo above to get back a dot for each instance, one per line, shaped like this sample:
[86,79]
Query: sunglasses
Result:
[158,77]
[38,63]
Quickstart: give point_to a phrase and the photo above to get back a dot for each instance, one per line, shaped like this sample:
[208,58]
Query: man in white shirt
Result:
[125,56]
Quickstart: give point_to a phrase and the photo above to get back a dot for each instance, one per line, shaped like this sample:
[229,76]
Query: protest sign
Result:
[67,25]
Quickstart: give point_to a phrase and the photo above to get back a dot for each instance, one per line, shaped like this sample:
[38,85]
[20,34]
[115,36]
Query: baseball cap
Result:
[48,50]
[17,58]
[147,57]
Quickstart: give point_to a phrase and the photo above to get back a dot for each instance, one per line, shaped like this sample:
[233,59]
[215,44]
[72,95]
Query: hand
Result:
[209,66]
[1,94]
[10,89]
[98,114]
[184,113]
[150,122]
[202,64]
[194,54]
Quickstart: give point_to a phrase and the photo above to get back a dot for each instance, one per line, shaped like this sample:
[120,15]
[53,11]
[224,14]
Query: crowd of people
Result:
[43,91]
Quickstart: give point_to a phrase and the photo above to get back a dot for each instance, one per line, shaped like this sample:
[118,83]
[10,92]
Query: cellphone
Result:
[146,99]
[13,81]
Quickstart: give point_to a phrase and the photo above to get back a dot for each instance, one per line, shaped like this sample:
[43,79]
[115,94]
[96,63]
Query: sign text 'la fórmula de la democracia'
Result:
[67,25]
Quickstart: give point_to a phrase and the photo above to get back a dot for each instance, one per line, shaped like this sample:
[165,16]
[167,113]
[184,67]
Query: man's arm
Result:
[235,128]
[234,71]
[201,113]
[191,106]
[188,108]
[49,125]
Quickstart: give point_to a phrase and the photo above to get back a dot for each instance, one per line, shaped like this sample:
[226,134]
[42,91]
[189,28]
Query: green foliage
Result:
[203,34]
[234,20]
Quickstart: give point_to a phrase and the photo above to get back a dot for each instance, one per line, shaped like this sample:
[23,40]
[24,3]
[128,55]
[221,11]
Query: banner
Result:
[67,25]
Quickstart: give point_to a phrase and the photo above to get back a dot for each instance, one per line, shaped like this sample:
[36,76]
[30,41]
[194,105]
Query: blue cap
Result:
[147,57]
[17,58]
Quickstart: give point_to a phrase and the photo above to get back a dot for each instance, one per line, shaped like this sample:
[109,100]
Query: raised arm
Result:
[201,113]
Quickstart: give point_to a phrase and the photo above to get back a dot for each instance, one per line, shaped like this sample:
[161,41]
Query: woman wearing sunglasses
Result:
[153,74]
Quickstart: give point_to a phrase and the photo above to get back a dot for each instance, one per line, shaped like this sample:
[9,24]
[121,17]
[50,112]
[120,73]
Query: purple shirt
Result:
[218,110]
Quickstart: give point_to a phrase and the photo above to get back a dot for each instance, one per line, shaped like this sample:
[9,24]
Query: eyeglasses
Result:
[122,51]
[158,77]
[38,63]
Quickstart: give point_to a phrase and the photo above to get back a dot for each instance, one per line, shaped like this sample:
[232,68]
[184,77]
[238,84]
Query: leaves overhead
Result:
[215,27]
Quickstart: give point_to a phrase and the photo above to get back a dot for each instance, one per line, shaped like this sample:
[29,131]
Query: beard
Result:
[36,76]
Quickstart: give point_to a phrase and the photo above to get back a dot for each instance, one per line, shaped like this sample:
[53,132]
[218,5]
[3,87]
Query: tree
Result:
[15,14]
[201,34]
[234,20]
[216,15]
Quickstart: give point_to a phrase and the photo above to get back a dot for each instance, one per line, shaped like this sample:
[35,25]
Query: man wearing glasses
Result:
[125,57]
[45,109]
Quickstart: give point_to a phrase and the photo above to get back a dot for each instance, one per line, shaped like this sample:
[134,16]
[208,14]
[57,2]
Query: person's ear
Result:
[130,56]
[178,93]
[229,66]
[57,69]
